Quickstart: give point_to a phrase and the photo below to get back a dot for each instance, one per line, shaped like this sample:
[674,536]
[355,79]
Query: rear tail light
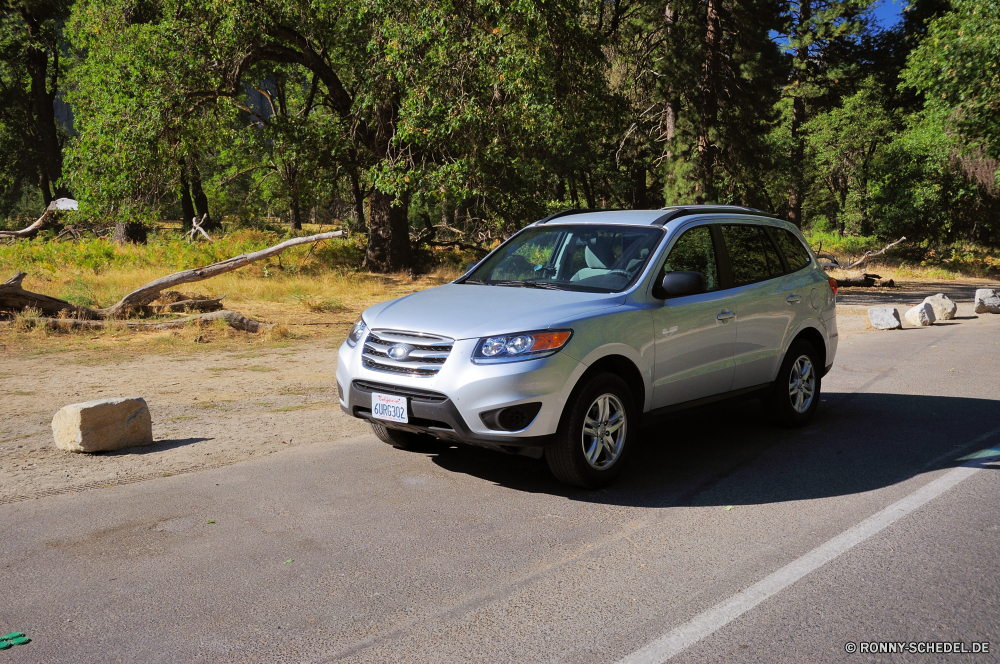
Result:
[833,285]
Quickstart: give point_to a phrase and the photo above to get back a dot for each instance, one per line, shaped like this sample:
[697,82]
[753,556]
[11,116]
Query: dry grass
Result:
[300,306]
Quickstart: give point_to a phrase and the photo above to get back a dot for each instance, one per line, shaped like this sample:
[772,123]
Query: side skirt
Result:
[751,392]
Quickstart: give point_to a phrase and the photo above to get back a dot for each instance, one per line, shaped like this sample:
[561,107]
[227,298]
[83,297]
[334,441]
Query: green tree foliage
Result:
[32,68]
[957,68]
[456,122]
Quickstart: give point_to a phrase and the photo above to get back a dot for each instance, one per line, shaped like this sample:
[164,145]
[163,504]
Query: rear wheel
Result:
[794,396]
[593,439]
[404,440]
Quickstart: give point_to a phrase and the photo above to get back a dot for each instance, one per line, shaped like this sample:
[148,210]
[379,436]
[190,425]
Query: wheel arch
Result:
[816,340]
[622,367]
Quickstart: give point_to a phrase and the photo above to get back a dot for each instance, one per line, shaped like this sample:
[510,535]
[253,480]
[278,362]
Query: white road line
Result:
[724,612]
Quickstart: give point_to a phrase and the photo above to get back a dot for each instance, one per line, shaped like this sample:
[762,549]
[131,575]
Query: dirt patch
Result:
[210,409]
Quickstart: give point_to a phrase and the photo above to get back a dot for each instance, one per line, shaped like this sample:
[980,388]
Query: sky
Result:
[888,12]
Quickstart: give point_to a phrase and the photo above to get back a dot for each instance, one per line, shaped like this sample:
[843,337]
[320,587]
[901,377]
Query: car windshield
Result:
[584,257]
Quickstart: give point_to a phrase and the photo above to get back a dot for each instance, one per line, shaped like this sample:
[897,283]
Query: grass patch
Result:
[20,393]
[307,292]
[213,405]
[913,260]
[181,418]
[262,369]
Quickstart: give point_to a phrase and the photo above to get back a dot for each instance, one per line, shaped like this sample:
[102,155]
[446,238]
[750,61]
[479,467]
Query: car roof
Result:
[661,217]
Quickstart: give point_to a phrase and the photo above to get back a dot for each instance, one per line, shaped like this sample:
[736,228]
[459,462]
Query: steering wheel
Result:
[623,273]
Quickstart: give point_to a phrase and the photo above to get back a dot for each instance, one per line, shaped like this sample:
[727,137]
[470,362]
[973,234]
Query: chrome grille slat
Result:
[427,352]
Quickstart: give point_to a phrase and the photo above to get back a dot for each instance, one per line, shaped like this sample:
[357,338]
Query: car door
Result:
[762,299]
[694,335]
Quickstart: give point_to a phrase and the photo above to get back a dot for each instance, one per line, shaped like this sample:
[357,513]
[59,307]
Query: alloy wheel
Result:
[802,384]
[604,430]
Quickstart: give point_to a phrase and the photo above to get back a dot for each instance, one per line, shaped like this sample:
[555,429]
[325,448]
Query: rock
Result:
[884,318]
[920,315]
[943,306]
[987,301]
[103,425]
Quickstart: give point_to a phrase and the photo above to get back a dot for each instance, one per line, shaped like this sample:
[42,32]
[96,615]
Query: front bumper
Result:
[430,413]
[451,404]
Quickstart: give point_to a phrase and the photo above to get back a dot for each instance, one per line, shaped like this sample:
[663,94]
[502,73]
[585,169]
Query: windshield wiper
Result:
[475,281]
[527,284]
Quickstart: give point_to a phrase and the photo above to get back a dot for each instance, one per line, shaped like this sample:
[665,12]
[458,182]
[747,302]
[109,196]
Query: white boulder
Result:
[944,307]
[987,301]
[884,318]
[920,315]
[103,425]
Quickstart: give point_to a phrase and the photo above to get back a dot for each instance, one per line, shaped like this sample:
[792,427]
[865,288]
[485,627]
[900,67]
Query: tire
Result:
[568,456]
[794,396]
[404,440]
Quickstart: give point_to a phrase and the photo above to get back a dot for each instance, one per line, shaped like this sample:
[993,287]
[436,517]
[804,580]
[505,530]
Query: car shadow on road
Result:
[729,454]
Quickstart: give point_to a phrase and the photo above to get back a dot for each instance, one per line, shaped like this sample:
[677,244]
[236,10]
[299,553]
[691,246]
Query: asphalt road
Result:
[356,552]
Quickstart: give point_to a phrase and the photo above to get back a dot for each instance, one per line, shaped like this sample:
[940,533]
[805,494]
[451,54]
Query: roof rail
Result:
[672,213]
[566,213]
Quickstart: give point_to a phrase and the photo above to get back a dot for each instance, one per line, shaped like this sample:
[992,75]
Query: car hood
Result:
[466,311]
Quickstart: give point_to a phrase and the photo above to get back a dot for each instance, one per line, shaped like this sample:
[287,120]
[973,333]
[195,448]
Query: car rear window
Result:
[791,246]
[751,253]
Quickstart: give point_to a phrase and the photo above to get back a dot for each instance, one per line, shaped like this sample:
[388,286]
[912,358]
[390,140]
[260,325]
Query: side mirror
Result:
[678,284]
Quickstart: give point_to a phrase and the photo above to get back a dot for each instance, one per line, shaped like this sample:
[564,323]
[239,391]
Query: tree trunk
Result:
[388,234]
[294,213]
[705,171]
[46,134]
[129,232]
[200,199]
[670,103]
[639,197]
[359,199]
[187,207]
[796,189]
[588,191]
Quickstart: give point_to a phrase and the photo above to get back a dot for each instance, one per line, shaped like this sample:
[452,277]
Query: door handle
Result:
[725,316]
[793,298]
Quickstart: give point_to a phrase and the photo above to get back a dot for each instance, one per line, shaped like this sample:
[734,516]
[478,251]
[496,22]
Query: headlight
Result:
[357,333]
[520,346]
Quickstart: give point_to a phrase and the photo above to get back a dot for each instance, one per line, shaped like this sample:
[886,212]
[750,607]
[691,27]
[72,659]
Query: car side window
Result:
[791,246]
[751,253]
[694,252]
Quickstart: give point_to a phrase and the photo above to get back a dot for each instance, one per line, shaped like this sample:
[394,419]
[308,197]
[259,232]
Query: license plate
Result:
[388,407]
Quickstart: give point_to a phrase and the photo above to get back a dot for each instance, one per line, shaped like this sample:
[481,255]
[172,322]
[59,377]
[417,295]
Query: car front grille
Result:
[409,392]
[424,353]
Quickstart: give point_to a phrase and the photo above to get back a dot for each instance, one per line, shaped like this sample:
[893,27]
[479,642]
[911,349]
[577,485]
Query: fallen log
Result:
[14,297]
[150,291]
[870,254]
[233,319]
[47,220]
[210,304]
[863,281]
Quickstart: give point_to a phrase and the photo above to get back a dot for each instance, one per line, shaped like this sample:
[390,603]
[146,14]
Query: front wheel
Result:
[794,396]
[593,439]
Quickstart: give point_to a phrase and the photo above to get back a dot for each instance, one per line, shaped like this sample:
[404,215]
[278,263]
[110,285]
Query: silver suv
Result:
[585,325]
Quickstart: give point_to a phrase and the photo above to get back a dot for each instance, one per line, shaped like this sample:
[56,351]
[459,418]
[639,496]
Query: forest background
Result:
[423,124]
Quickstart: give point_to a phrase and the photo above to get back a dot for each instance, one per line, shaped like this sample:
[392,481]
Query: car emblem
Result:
[399,352]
